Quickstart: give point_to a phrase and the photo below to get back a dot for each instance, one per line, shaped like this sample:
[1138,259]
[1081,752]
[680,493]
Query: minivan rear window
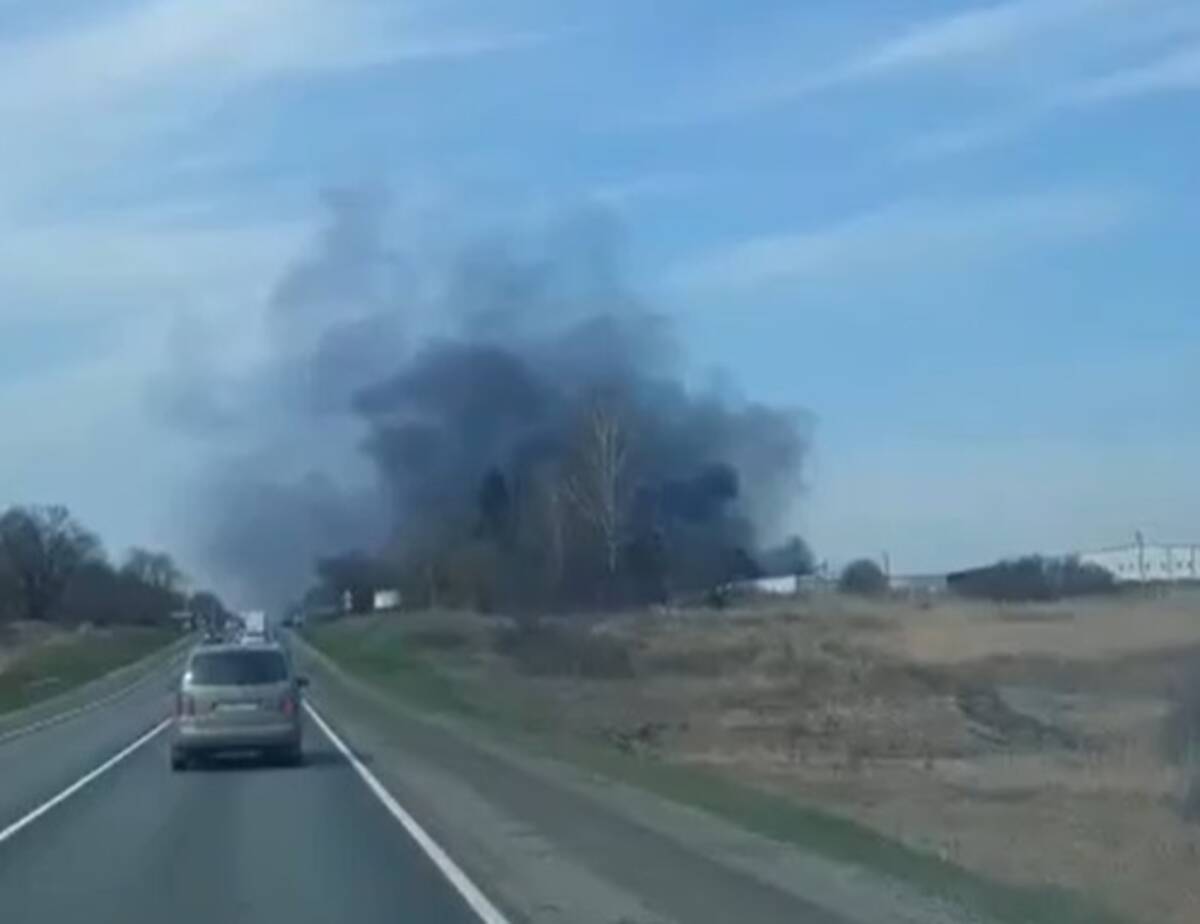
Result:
[237,668]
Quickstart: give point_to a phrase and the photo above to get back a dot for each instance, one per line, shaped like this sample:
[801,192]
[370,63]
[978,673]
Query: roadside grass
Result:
[380,655]
[385,660]
[61,664]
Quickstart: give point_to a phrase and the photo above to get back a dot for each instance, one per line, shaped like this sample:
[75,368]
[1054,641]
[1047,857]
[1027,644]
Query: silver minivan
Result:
[237,698]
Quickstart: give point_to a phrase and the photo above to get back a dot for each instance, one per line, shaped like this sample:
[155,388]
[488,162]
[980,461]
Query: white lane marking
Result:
[478,902]
[83,781]
[59,718]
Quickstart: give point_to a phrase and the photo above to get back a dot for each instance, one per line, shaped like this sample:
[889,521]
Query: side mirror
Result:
[302,682]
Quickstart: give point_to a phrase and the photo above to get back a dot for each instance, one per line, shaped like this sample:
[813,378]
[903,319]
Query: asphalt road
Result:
[231,843]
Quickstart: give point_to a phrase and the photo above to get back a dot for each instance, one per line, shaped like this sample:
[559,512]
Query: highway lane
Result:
[235,842]
[36,766]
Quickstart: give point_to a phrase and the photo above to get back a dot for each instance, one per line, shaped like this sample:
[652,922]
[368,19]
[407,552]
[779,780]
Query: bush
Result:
[547,649]
[863,577]
[1181,736]
[1078,579]
[1033,578]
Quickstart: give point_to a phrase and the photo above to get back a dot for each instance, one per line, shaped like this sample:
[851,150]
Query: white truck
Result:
[254,627]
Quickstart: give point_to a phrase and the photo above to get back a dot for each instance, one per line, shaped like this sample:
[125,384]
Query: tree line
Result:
[591,522]
[1025,579]
[54,569]
[1033,578]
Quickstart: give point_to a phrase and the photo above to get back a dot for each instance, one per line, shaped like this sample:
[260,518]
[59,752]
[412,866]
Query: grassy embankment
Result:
[440,666]
[60,663]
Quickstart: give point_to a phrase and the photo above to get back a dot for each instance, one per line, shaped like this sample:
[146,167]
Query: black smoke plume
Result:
[466,384]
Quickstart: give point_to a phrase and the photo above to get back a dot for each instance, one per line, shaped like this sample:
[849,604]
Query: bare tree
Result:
[598,481]
[99,594]
[542,529]
[154,569]
[554,518]
[207,607]
[44,547]
[10,590]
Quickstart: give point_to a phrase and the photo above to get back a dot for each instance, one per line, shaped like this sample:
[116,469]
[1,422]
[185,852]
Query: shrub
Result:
[1034,577]
[1181,736]
[556,650]
[864,577]
[1078,579]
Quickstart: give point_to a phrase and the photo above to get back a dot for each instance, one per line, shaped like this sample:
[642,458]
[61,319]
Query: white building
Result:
[917,583]
[386,600]
[787,585]
[1141,561]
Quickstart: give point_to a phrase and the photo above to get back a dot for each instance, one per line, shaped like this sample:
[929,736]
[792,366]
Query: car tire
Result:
[179,761]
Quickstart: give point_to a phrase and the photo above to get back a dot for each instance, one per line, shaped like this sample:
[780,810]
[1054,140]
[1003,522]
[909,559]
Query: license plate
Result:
[236,707]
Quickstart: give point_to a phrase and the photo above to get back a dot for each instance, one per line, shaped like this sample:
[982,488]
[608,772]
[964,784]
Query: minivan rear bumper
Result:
[192,737]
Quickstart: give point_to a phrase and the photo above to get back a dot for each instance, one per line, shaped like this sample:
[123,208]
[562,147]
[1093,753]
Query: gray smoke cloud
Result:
[392,389]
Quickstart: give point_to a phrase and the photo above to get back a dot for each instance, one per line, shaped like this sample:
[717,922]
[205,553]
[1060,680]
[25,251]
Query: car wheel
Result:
[179,761]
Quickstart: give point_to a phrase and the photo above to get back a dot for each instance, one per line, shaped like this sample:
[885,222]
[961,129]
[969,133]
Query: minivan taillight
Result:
[287,705]
[184,705]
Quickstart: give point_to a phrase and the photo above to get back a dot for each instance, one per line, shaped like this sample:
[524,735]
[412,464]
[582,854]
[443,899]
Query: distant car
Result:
[237,698]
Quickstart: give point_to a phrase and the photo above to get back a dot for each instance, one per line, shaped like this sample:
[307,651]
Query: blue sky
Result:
[962,235]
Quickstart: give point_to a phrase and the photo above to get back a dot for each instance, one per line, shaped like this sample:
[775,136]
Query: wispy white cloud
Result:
[972,37]
[149,52]
[994,43]
[166,44]
[905,238]
[99,98]
[80,98]
[86,268]
[1036,45]
[1025,59]
[1177,70]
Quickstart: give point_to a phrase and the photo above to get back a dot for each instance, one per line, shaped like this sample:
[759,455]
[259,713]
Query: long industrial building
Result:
[1145,562]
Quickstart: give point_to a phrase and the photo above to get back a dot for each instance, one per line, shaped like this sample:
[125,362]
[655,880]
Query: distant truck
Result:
[254,626]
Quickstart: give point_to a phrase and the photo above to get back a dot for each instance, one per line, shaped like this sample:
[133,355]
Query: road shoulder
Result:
[559,843]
